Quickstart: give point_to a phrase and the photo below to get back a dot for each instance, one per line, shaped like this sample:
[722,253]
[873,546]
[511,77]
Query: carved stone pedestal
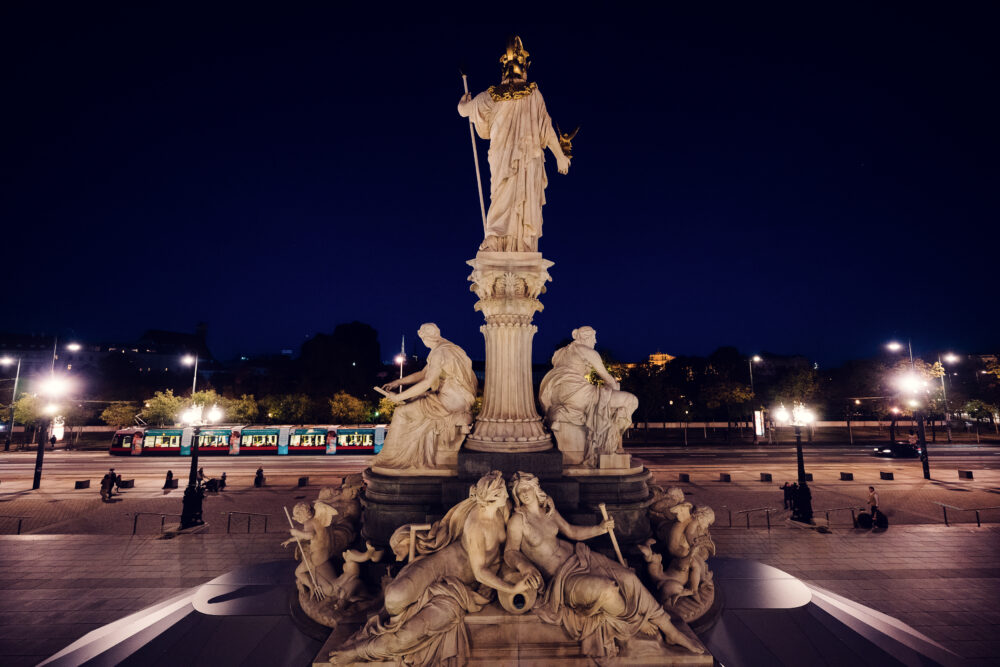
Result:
[508,285]
[497,638]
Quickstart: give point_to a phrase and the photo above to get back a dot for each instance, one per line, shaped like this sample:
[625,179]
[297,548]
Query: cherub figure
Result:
[348,588]
[315,575]
[690,545]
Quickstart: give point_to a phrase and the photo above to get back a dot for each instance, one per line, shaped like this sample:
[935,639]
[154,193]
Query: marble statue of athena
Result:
[512,116]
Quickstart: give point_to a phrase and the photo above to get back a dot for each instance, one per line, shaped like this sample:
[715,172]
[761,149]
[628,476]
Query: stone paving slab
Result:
[90,580]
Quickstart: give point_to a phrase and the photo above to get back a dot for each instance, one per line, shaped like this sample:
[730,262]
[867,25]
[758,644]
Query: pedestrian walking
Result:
[168,483]
[258,479]
[106,487]
[786,488]
[222,482]
[872,500]
[111,481]
[201,475]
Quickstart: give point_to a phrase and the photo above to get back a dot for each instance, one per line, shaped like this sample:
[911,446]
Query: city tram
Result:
[249,440]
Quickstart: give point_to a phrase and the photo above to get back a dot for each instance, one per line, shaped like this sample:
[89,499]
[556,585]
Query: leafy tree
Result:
[27,410]
[386,408]
[243,409]
[163,408]
[208,398]
[286,408]
[347,409]
[120,414]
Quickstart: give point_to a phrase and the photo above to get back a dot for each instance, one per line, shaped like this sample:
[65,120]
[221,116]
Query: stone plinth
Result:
[497,638]
[508,285]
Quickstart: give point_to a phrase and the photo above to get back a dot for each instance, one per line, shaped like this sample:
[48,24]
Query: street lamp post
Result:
[194,494]
[7,361]
[400,359]
[51,388]
[189,360]
[950,358]
[917,412]
[753,421]
[799,417]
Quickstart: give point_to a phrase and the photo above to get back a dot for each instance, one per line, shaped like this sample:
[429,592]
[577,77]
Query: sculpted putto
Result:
[513,117]
[576,409]
[434,414]
[685,586]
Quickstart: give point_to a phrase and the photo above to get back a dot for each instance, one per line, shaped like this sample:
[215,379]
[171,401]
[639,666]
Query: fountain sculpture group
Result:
[488,518]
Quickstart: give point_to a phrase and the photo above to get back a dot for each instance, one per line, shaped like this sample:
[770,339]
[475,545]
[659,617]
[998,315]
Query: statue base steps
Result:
[497,637]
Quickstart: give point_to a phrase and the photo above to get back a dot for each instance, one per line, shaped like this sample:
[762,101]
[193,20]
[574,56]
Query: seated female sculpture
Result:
[571,401]
[435,411]
[425,604]
[596,600]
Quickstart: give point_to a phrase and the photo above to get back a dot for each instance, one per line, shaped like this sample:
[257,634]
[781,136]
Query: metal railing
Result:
[767,514]
[136,515]
[730,512]
[249,515]
[852,510]
[20,520]
[977,510]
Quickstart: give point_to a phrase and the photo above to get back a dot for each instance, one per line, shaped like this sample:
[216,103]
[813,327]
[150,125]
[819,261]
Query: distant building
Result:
[660,359]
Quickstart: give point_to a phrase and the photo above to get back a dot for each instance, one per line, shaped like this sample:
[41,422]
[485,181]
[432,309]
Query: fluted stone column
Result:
[508,285]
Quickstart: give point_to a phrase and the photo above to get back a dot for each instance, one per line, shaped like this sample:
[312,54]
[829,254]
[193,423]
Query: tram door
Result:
[137,444]
[234,443]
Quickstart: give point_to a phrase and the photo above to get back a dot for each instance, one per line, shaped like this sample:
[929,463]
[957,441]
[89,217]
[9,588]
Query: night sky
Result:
[802,179]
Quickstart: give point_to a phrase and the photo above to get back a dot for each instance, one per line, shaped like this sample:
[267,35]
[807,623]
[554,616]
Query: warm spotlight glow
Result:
[909,382]
[54,386]
[187,360]
[214,414]
[913,403]
[192,415]
[857,401]
[894,346]
[757,358]
[400,359]
[51,409]
[951,358]
[74,347]
[894,411]
[6,361]
[781,414]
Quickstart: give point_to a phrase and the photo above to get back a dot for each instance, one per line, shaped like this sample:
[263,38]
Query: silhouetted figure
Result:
[111,481]
[258,479]
[201,475]
[912,438]
[168,483]
[786,489]
[793,494]
[106,483]
[222,482]
[118,483]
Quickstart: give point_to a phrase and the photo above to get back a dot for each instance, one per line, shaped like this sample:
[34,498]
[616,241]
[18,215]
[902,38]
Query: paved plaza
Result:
[77,566]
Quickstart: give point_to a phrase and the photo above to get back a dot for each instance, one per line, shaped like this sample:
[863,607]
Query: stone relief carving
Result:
[685,587]
[587,419]
[434,415]
[481,549]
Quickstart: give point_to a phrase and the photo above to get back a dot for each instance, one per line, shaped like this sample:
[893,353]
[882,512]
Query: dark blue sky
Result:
[795,179]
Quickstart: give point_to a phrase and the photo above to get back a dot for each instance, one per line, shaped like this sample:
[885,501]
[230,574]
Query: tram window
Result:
[295,441]
[126,441]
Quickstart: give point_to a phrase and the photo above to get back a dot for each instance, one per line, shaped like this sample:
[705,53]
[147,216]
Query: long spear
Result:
[611,534]
[475,156]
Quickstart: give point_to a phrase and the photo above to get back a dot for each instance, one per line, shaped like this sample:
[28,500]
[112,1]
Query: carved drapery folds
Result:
[508,286]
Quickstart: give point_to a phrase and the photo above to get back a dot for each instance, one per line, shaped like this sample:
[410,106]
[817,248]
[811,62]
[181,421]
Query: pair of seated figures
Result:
[583,405]
[484,546]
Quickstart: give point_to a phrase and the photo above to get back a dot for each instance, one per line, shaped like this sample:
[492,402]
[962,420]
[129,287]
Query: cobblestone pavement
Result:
[78,567]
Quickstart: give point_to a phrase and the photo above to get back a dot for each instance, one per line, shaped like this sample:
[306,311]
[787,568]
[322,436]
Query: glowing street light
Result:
[7,361]
[74,347]
[188,360]
[52,387]
[912,383]
[196,416]
[800,416]
[949,358]
[400,359]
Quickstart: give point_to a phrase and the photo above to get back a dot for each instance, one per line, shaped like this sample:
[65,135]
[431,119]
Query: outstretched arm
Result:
[409,379]
[552,142]
[580,533]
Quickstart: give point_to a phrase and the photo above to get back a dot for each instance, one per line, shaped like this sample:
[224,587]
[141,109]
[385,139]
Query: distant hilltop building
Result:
[660,359]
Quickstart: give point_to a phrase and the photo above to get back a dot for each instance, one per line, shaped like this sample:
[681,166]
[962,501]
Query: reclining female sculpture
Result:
[596,601]
[425,604]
